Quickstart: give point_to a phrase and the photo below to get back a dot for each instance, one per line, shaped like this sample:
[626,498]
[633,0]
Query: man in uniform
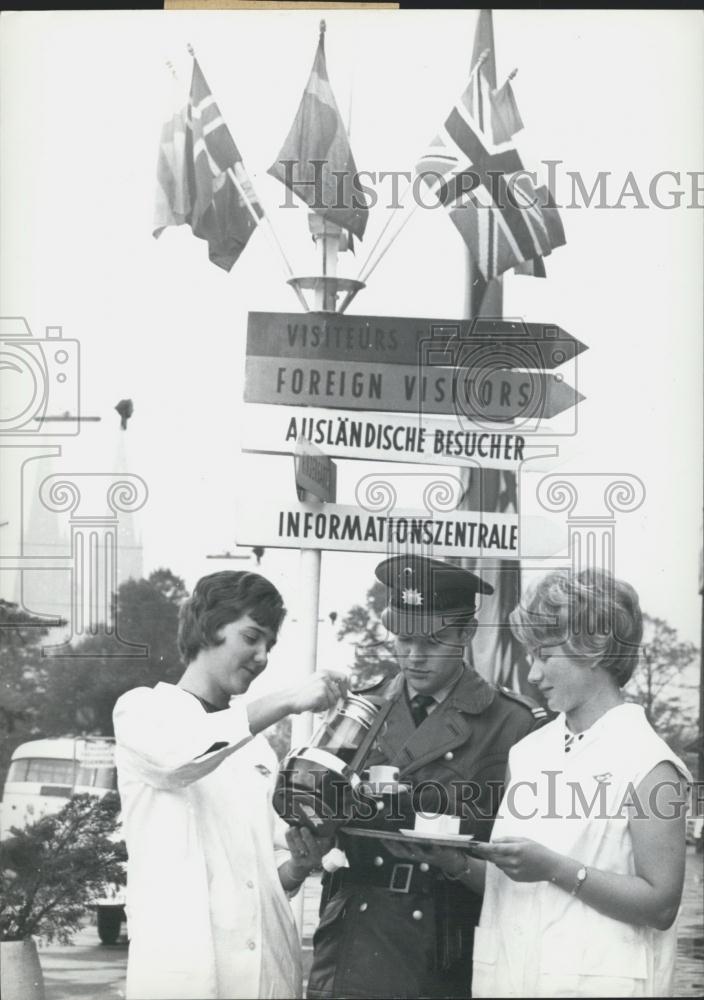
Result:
[404,928]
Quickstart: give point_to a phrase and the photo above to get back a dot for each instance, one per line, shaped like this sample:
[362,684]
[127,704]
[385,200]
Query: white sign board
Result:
[277,524]
[385,437]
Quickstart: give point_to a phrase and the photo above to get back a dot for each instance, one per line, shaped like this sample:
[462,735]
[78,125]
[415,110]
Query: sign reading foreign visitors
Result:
[276,524]
[405,341]
[381,437]
[480,395]
[316,473]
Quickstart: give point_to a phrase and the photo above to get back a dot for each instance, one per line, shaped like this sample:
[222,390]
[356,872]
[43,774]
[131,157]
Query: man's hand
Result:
[320,692]
[306,849]
[521,859]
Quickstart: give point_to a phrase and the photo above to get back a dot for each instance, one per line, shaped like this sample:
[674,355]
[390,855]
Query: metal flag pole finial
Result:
[482,59]
[190,49]
[513,73]
[322,28]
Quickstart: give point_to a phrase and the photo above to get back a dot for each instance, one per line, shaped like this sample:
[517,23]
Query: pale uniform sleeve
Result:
[168,741]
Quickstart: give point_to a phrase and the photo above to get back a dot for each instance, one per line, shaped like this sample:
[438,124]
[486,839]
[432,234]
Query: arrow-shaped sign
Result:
[386,437]
[472,393]
[405,341]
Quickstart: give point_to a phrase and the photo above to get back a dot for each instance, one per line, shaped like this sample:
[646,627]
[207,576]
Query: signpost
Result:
[406,341]
[380,436]
[480,394]
[277,524]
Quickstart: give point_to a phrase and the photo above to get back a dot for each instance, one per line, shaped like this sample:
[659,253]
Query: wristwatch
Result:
[581,879]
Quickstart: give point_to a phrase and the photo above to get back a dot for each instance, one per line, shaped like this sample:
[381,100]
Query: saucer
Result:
[440,840]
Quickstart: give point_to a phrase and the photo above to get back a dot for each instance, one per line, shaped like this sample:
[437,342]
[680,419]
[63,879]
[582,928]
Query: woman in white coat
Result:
[587,855]
[209,870]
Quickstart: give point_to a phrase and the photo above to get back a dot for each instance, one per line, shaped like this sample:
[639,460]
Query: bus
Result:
[42,777]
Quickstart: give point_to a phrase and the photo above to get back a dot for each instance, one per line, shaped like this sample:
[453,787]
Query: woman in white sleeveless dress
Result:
[587,854]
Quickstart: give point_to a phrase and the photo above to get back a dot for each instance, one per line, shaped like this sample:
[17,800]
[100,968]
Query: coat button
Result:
[362,907]
[251,945]
[449,755]
[378,861]
[424,866]
[379,806]
[417,914]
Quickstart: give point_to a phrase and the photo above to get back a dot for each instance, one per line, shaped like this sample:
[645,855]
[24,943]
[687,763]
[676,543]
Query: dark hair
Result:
[591,613]
[221,598]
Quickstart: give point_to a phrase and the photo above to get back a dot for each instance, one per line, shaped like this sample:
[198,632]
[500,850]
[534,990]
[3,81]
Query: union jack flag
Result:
[476,173]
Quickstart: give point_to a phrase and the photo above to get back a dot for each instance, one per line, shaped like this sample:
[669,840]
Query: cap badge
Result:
[413,597]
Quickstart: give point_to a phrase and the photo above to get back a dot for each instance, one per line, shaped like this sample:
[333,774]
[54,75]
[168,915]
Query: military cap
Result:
[425,595]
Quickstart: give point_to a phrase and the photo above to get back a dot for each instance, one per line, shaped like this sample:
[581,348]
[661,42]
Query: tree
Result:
[373,659]
[81,690]
[53,868]
[660,684]
[22,678]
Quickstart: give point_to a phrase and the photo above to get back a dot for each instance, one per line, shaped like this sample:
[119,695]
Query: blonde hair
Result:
[590,613]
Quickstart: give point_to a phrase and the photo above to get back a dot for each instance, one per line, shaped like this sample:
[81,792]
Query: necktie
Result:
[420,703]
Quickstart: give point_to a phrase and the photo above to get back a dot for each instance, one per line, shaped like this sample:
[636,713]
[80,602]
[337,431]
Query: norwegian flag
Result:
[474,169]
[201,180]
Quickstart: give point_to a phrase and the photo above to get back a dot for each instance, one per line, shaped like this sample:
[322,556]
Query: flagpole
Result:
[271,234]
[365,271]
[480,298]
[268,228]
[364,275]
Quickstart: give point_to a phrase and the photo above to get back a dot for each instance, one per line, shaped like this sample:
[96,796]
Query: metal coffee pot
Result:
[318,785]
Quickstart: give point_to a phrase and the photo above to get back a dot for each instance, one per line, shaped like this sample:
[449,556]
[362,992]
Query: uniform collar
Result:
[471,693]
[440,695]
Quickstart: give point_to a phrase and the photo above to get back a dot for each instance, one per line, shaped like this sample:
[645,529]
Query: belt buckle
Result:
[401,875]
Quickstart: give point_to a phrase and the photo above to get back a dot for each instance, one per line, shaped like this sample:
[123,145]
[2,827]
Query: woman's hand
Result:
[521,859]
[307,851]
[320,692]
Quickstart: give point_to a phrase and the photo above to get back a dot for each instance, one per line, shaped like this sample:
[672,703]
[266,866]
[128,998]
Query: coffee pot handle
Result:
[366,744]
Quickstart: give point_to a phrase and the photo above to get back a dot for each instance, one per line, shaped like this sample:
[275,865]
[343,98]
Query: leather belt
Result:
[401,877]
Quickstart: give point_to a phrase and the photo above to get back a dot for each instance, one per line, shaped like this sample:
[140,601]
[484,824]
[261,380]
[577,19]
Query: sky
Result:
[84,95]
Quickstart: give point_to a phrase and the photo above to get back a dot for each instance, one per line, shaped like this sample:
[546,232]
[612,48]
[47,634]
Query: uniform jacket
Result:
[375,942]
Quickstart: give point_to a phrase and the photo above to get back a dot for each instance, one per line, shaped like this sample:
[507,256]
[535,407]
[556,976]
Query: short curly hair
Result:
[590,613]
[221,598]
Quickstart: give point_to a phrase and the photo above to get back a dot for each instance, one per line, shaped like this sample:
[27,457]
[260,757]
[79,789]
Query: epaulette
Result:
[536,710]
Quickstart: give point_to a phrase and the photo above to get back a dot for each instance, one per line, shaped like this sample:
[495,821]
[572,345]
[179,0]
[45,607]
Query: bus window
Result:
[48,771]
[96,777]
[18,770]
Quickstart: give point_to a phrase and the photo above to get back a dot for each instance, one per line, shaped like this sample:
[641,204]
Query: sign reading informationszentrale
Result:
[406,341]
[301,526]
[380,436]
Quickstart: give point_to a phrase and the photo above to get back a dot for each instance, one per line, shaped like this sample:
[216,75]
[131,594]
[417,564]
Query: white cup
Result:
[437,824]
[382,774]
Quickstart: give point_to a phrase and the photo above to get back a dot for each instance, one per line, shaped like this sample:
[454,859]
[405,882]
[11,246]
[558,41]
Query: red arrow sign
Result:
[473,394]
